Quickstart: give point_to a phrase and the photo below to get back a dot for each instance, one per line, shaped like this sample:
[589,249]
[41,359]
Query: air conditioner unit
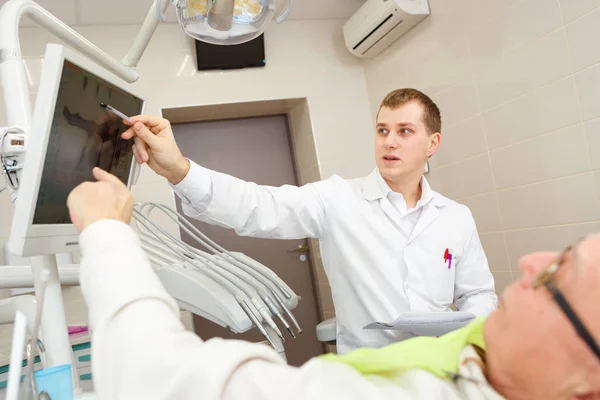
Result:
[379,23]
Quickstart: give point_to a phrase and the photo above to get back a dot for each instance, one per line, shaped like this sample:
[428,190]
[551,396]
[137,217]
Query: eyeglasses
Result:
[547,279]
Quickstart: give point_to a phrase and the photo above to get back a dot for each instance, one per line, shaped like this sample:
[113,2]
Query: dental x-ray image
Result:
[83,136]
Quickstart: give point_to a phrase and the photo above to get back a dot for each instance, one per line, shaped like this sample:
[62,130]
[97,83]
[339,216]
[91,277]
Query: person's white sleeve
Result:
[474,289]
[195,190]
[319,379]
[141,350]
[286,212]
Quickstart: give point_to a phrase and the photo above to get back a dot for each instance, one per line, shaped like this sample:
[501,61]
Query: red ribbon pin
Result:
[448,258]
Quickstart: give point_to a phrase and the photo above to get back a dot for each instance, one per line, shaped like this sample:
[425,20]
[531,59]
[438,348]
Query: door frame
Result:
[304,157]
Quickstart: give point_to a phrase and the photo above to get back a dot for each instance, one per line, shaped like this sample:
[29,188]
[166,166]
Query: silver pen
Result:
[117,113]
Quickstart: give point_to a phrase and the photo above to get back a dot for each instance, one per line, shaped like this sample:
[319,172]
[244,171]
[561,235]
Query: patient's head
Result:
[532,343]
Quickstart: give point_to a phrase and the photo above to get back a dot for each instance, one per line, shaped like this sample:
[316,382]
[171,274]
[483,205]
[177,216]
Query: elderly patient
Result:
[541,343]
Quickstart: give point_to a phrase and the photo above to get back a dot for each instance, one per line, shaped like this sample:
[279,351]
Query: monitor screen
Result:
[244,55]
[83,135]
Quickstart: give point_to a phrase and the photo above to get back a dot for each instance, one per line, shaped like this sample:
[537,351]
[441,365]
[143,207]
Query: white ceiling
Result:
[111,12]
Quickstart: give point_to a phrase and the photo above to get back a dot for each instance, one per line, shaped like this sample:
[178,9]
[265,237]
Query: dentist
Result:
[389,243]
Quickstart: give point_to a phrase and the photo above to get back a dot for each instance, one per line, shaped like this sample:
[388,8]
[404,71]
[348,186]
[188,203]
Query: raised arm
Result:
[286,212]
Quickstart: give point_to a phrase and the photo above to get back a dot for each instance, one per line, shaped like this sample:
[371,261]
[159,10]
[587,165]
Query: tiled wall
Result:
[518,85]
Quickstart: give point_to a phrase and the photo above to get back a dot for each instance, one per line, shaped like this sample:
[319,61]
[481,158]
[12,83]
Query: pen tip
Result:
[102,105]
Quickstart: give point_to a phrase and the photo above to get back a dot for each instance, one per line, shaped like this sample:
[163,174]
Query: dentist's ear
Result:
[434,143]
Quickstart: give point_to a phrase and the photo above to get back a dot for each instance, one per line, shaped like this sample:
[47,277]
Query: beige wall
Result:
[518,84]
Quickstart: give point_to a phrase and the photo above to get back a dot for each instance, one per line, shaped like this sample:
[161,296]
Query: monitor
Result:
[70,135]
[236,56]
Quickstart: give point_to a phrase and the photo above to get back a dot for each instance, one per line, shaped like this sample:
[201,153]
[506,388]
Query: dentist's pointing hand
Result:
[156,146]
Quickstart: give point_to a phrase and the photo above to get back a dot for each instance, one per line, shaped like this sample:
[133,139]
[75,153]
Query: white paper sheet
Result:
[426,324]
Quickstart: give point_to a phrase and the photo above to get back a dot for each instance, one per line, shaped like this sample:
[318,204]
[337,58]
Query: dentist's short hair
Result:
[431,112]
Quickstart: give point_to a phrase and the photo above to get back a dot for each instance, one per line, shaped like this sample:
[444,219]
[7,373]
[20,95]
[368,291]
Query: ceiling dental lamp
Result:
[226,22]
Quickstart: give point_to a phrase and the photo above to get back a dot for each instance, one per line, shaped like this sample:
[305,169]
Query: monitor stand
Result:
[53,324]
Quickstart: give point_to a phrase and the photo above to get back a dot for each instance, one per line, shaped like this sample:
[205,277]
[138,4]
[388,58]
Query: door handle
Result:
[303,248]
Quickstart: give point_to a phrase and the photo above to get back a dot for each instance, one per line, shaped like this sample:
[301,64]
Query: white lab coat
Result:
[141,350]
[376,270]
